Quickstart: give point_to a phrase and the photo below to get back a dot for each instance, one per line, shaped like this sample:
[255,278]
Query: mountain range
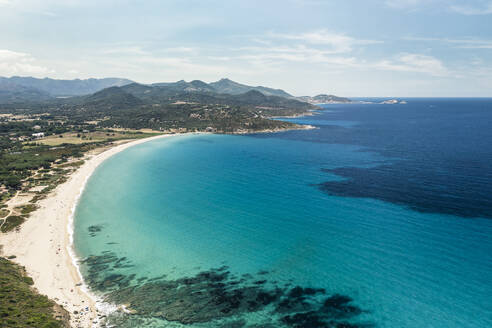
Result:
[28,89]
[11,92]
[134,95]
[61,88]
[224,106]
[191,106]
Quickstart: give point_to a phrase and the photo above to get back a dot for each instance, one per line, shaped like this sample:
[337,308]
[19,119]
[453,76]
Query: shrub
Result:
[20,305]
[12,222]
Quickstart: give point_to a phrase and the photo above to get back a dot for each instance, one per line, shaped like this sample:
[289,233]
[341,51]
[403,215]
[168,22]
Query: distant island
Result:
[393,102]
[324,99]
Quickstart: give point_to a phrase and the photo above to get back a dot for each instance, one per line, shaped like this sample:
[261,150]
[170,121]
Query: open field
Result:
[93,137]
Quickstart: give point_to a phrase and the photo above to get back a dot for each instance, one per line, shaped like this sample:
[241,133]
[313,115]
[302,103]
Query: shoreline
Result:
[310,112]
[44,243]
[298,127]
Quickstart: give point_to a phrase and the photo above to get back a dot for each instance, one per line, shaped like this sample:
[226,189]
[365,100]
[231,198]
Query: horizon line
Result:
[226,78]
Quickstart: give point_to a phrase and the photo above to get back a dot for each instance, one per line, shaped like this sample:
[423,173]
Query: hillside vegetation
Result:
[21,306]
[171,107]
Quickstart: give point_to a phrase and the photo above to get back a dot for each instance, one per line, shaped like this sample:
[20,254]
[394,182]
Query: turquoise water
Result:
[258,207]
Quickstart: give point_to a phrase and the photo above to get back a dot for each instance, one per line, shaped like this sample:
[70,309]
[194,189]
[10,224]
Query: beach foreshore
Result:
[44,244]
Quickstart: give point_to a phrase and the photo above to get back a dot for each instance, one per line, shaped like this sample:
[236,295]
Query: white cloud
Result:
[178,50]
[414,63]
[405,62]
[301,54]
[337,43]
[167,66]
[473,10]
[334,51]
[458,43]
[4,3]
[9,55]
[19,63]
[271,53]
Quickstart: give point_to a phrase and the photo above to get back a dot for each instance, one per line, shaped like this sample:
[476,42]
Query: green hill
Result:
[111,98]
[234,88]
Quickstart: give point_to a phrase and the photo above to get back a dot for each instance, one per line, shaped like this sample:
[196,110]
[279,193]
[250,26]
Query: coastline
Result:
[311,112]
[298,127]
[44,243]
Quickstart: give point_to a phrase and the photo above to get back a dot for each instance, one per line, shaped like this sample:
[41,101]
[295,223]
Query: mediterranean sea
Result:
[379,217]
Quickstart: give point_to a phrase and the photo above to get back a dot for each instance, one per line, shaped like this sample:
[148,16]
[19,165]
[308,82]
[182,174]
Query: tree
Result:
[12,182]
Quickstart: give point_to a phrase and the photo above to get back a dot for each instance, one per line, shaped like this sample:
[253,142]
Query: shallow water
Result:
[384,211]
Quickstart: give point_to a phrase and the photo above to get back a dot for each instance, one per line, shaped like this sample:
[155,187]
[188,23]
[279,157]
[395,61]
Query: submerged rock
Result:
[216,295]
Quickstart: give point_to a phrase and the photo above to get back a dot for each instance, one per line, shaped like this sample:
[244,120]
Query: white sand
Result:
[44,243]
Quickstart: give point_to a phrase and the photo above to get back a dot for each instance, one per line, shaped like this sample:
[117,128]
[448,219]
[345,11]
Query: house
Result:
[38,135]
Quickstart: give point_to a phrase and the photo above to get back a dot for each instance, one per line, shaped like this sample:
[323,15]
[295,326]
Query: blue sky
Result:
[349,48]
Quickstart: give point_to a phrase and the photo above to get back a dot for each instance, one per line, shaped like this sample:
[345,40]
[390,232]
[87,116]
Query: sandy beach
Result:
[44,244]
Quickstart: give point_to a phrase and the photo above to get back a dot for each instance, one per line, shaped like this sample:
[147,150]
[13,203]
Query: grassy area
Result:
[20,305]
[71,164]
[57,141]
[3,213]
[144,131]
[27,209]
[73,138]
[96,136]
[12,222]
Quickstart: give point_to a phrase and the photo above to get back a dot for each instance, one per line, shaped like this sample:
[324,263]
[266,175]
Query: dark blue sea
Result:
[379,217]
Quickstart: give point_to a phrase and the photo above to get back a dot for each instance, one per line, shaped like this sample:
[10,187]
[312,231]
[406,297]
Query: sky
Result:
[412,48]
